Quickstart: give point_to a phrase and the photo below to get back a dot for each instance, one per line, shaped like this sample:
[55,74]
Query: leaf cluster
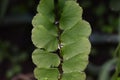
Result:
[61,37]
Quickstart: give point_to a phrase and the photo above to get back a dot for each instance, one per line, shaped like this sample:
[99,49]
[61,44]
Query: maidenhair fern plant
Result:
[61,37]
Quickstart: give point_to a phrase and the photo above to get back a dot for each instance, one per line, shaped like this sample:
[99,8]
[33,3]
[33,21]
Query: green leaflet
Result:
[75,64]
[46,74]
[63,47]
[76,32]
[46,7]
[42,38]
[74,76]
[40,19]
[45,59]
[75,48]
[72,13]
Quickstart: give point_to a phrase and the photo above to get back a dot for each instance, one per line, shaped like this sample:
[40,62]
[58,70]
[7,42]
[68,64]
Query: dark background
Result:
[15,35]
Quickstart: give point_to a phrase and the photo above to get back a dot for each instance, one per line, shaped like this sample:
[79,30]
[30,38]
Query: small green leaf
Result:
[40,19]
[75,64]
[45,59]
[81,29]
[42,38]
[74,76]
[72,13]
[46,74]
[75,48]
[62,2]
[105,71]
[46,7]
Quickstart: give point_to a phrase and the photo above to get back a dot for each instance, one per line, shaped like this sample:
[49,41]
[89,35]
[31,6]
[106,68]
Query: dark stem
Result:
[59,54]
[57,17]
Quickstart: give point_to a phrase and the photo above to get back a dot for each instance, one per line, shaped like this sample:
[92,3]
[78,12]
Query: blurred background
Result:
[15,36]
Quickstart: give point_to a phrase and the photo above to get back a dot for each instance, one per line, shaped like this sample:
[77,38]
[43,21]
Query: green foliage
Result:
[74,76]
[46,8]
[46,74]
[101,14]
[71,15]
[106,68]
[117,67]
[105,72]
[48,59]
[43,39]
[13,56]
[61,37]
